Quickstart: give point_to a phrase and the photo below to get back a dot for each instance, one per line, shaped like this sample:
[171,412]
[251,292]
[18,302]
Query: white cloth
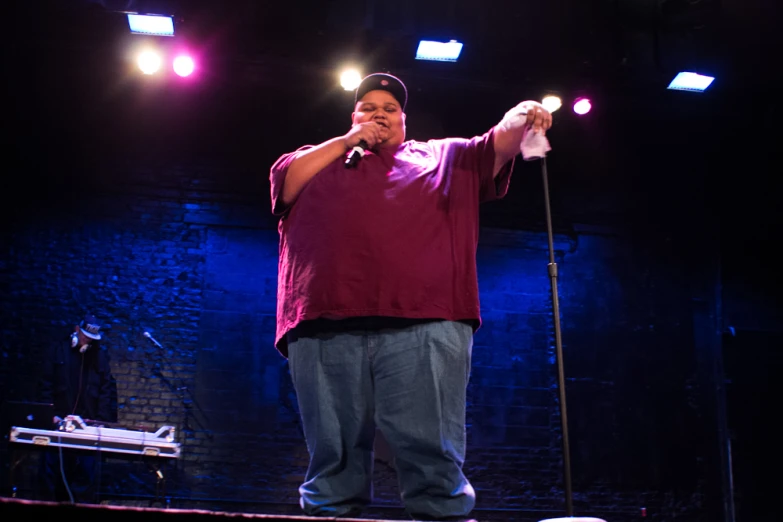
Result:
[533,146]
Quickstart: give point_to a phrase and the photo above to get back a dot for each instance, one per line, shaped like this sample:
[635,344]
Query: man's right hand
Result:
[310,162]
[368,131]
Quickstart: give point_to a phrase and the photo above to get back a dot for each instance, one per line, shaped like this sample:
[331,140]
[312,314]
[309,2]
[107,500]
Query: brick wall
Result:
[189,254]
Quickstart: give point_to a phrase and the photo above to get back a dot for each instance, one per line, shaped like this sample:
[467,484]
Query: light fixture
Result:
[552,103]
[183,65]
[582,106]
[439,51]
[690,81]
[350,79]
[149,62]
[153,25]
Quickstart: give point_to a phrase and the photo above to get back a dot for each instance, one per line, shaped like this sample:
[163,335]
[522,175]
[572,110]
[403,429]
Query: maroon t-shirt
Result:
[394,237]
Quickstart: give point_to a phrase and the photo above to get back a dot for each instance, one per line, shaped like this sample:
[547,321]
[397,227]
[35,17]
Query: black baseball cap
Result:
[383,82]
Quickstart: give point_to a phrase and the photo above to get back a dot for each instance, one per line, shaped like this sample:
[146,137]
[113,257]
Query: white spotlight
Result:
[350,79]
[552,103]
[149,62]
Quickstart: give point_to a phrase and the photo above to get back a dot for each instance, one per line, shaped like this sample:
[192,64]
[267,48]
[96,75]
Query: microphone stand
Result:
[184,393]
[552,268]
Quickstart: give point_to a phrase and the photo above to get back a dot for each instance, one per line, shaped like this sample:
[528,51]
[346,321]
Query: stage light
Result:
[156,25]
[439,51]
[149,62]
[582,106]
[689,81]
[183,65]
[552,103]
[350,79]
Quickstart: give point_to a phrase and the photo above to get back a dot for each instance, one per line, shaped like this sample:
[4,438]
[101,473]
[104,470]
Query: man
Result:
[378,298]
[77,379]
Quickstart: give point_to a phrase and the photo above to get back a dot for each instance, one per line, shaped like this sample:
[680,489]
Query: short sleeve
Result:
[477,155]
[277,176]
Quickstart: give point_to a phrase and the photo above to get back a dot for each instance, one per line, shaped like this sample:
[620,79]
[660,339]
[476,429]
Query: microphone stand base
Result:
[573,519]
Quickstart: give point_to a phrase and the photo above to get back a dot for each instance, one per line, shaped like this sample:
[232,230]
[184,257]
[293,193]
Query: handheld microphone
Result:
[148,336]
[356,154]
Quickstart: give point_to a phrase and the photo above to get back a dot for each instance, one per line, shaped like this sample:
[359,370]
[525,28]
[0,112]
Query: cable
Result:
[97,469]
[79,388]
[59,439]
[62,469]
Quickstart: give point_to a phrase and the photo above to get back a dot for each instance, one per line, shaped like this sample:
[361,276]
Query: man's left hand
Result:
[530,114]
[538,117]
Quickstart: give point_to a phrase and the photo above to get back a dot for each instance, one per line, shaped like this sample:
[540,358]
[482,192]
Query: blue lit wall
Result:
[175,252]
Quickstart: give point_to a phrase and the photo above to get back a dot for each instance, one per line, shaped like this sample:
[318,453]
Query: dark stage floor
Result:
[23,509]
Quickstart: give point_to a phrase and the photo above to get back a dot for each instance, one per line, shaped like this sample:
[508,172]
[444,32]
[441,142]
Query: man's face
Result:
[384,109]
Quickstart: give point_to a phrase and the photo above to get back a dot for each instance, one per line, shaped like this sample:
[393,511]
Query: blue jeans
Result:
[408,382]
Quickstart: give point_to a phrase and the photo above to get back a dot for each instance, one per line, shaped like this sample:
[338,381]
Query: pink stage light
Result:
[582,106]
[183,65]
